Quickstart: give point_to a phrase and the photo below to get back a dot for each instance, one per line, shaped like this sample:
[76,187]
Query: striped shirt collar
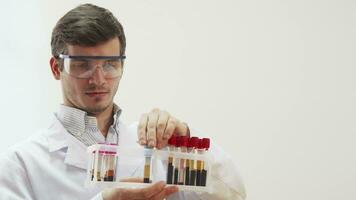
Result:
[84,127]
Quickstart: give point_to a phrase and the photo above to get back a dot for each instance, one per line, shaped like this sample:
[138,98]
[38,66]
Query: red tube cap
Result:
[178,141]
[193,142]
[206,143]
[173,140]
[184,141]
[200,144]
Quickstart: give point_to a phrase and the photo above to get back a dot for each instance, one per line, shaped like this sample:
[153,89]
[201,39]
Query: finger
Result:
[151,127]
[171,125]
[181,129]
[142,193]
[146,193]
[142,129]
[161,127]
[132,180]
[165,193]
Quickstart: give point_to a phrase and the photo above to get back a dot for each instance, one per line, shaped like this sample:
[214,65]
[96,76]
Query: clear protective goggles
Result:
[85,66]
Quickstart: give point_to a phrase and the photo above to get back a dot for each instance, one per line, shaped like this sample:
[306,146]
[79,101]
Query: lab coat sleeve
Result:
[14,182]
[99,196]
[225,181]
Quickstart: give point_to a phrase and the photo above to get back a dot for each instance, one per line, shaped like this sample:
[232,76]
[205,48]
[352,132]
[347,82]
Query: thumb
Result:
[132,180]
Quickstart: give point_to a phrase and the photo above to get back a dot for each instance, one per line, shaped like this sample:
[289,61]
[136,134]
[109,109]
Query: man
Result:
[88,48]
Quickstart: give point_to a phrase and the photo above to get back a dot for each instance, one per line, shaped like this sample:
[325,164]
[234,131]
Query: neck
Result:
[104,119]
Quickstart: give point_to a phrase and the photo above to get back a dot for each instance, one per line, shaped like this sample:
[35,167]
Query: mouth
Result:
[96,93]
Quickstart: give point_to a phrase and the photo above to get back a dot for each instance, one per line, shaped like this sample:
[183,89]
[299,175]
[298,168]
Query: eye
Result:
[79,64]
[111,65]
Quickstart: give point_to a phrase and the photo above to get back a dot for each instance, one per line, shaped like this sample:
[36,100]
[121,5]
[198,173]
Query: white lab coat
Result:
[52,165]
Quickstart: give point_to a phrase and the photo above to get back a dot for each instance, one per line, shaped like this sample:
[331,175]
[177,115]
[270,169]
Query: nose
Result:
[98,77]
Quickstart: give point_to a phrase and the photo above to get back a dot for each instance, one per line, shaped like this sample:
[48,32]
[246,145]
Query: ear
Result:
[55,68]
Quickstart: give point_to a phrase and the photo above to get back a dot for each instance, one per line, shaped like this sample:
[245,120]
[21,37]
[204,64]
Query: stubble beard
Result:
[98,108]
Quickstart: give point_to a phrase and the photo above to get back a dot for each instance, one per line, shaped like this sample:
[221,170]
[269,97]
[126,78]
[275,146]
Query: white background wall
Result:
[270,81]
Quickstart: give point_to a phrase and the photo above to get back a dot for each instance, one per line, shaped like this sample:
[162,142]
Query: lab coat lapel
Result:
[59,138]
[128,141]
[125,137]
[76,154]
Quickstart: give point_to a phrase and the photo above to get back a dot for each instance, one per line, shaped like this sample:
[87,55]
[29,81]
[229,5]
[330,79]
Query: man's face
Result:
[95,94]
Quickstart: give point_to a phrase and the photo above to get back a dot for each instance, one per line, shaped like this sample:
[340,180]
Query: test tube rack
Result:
[159,160]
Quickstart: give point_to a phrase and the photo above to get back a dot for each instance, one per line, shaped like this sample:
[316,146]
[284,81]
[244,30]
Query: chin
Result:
[97,108]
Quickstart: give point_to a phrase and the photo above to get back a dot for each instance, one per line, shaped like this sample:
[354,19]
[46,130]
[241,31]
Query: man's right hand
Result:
[157,191]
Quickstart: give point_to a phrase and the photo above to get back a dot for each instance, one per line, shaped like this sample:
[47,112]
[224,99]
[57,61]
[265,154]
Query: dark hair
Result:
[86,25]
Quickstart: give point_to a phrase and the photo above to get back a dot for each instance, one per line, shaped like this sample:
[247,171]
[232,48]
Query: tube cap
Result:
[200,144]
[147,151]
[205,143]
[184,141]
[178,141]
[193,142]
[173,140]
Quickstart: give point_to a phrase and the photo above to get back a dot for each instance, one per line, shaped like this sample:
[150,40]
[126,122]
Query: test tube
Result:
[92,166]
[114,163]
[171,146]
[183,143]
[184,149]
[204,172]
[176,163]
[105,166]
[98,165]
[192,145]
[147,167]
[200,163]
[110,165]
